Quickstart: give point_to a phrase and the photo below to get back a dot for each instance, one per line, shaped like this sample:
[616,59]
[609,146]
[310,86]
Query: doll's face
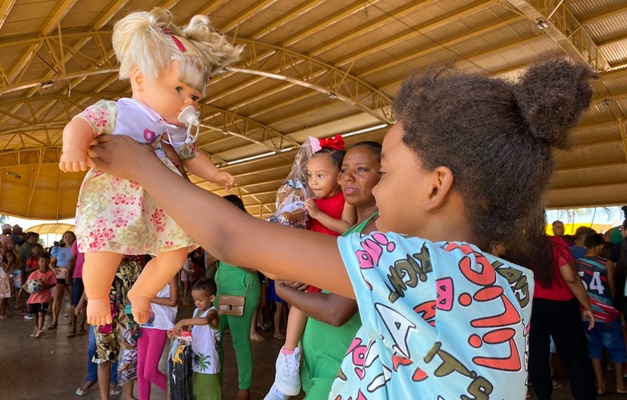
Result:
[167,95]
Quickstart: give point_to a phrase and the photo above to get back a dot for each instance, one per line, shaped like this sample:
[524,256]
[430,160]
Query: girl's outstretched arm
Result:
[221,228]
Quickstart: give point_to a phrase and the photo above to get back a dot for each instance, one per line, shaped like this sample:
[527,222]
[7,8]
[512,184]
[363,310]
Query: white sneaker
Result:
[275,394]
[287,378]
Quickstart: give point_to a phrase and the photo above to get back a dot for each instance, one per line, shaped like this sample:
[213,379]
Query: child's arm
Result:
[202,166]
[173,299]
[76,137]
[349,217]
[212,318]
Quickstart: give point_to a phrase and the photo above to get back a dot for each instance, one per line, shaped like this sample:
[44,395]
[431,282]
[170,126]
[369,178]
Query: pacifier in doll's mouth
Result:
[189,116]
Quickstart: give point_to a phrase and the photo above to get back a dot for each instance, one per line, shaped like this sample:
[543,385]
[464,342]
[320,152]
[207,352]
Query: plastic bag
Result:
[290,197]
[180,367]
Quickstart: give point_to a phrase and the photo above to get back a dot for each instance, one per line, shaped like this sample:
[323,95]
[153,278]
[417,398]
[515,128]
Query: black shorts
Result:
[37,308]
[61,282]
[77,290]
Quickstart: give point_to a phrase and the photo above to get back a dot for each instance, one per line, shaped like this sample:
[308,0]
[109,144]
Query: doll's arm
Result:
[76,137]
[202,166]
[338,225]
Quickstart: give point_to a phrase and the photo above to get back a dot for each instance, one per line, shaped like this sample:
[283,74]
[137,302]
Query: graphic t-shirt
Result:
[440,321]
[593,273]
[205,343]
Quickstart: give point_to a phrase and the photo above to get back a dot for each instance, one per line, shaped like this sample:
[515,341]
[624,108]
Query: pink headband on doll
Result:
[176,40]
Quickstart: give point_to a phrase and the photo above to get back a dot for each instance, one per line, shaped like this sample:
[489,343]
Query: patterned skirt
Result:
[119,216]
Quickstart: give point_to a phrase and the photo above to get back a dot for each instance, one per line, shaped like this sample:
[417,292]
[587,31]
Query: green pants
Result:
[233,281]
[207,387]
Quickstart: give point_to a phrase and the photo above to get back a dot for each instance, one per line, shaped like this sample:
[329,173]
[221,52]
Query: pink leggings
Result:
[149,350]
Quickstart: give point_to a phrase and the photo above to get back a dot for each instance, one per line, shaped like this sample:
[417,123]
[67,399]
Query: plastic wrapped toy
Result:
[180,367]
[291,196]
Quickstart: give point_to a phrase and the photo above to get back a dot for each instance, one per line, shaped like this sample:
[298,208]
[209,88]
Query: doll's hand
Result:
[312,208]
[121,156]
[74,161]
[224,179]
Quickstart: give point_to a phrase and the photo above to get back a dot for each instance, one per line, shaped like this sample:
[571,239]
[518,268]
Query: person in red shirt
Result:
[38,302]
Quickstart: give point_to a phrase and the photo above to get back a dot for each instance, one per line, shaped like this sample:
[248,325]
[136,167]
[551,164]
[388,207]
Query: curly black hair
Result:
[206,284]
[495,136]
[335,156]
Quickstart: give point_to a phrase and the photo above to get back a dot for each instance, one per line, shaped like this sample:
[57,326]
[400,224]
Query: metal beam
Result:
[554,18]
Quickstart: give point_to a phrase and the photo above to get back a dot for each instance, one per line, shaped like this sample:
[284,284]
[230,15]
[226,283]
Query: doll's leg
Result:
[156,274]
[98,272]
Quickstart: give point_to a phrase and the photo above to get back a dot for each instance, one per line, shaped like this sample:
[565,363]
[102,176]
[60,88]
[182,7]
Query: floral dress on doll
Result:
[115,214]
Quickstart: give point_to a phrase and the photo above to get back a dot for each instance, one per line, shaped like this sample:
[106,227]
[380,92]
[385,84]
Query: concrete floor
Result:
[53,366]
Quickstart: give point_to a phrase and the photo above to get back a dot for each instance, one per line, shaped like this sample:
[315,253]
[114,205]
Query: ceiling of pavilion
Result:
[311,67]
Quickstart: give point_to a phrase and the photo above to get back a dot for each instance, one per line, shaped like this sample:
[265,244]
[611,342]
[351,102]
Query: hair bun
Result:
[552,96]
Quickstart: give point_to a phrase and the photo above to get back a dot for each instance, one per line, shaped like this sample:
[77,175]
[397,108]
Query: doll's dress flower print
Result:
[115,214]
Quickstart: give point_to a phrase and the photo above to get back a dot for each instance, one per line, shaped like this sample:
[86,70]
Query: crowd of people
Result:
[432,277]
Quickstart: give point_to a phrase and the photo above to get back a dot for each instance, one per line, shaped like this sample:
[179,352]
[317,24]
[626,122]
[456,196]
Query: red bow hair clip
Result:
[336,142]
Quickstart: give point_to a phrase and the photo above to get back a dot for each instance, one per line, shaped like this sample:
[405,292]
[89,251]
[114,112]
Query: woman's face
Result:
[359,175]
[68,238]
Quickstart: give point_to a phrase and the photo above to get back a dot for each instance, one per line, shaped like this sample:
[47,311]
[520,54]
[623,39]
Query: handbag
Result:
[233,305]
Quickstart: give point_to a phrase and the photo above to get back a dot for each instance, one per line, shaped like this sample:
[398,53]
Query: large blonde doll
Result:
[168,68]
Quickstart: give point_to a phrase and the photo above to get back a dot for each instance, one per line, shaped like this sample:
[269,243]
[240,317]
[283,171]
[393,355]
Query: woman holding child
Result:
[333,319]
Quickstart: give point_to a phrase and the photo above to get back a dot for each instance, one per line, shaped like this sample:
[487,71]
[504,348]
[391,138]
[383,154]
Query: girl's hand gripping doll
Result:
[168,68]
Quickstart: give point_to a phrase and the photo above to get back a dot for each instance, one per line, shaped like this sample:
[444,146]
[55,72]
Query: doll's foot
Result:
[98,311]
[140,307]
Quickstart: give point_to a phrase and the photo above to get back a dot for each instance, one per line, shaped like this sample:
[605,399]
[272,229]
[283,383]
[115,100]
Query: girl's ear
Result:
[212,298]
[137,80]
[441,187]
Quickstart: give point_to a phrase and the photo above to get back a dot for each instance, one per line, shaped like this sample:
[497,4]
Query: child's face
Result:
[202,300]
[35,251]
[322,176]
[43,263]
[167,95]
[403,188]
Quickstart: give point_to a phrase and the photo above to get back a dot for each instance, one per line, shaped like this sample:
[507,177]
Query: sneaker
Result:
[287,378]
[275,394]
[29,316]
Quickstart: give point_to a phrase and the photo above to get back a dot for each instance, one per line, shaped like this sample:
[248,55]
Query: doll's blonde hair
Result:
[150,41]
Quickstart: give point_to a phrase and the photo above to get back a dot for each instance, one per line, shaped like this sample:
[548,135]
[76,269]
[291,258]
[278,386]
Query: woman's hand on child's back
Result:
[312,208]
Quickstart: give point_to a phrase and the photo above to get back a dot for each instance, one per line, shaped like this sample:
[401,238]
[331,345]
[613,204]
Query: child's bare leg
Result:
[156,274]
[3,306]
[98,272]
[296,322]
[620,371]
[127,390]
[36,322]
